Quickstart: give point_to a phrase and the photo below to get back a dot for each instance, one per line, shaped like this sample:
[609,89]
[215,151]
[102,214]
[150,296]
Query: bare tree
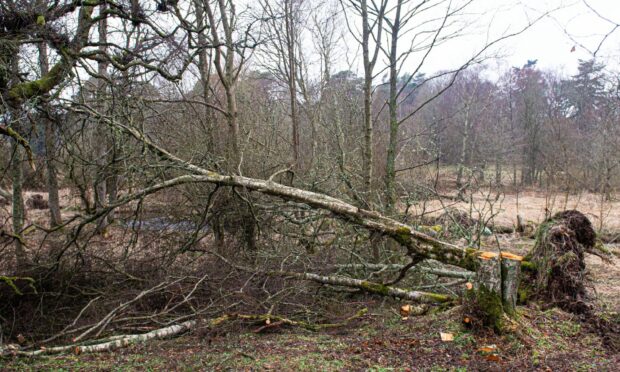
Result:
[372,18]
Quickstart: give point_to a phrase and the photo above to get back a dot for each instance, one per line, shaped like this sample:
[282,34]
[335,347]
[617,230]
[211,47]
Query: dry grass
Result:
[532,206]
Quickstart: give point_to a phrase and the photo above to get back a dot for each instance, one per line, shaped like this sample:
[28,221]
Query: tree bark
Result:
[5,194]
[511,278]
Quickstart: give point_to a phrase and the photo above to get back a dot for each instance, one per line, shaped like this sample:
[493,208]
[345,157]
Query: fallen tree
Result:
[419,245]
[397,267]
[497,274]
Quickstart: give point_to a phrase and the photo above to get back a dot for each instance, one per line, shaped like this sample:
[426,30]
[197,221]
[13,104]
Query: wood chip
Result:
[446,337]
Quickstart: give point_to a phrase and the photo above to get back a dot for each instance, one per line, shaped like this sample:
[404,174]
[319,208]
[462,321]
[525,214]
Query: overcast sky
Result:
[548,40]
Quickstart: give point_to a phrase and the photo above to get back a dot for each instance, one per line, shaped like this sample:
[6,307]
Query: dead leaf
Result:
[446,337]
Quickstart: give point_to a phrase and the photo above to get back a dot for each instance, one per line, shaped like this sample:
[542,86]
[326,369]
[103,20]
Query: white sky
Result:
[547,41]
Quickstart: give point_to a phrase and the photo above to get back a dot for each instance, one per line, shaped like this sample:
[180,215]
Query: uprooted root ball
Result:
[558,254]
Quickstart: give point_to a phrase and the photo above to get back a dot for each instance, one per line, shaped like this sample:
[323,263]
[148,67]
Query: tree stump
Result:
[494,293]
[511,279]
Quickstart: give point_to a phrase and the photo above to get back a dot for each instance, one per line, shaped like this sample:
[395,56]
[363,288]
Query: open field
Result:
[531,206]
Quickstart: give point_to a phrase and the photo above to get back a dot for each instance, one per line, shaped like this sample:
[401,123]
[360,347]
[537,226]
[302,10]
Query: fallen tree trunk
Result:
[120,341]
[108,344]
[396,267]
[365,285]
[370,287]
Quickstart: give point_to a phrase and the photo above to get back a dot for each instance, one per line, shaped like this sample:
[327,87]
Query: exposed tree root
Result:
[558,254]
[561,278]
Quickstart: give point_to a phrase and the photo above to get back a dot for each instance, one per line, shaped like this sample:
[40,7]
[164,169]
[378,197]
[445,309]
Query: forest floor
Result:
[545,340]
[549,340]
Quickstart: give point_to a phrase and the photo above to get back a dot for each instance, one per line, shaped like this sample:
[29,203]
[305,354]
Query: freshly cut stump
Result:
[492,298]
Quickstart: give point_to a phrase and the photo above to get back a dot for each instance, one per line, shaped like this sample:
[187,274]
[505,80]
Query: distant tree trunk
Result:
[292,78]
[514,173]
[390,172]
[228,73]
[204,67]
[50,151]
[498,170]
[463,155]
[369,61]
[101,145]
[112,184]
[19,215]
